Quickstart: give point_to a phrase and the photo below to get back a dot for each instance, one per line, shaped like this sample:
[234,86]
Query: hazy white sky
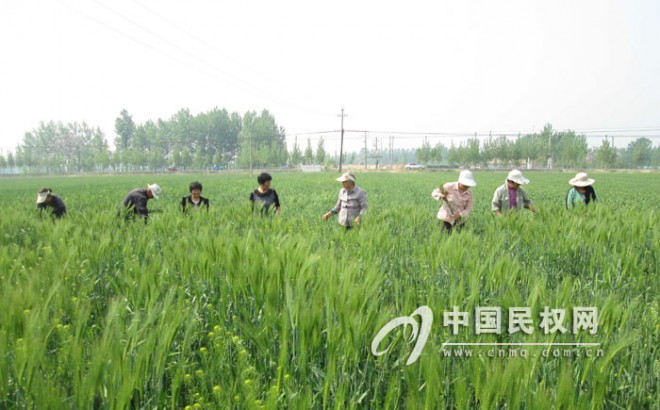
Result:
[409,67]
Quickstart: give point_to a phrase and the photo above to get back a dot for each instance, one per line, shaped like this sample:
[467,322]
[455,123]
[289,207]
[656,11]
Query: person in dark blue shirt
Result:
[46,199]
[263,198]
[195,200]
[135,202]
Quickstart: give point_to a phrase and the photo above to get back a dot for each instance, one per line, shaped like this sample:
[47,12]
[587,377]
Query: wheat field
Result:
[227,309]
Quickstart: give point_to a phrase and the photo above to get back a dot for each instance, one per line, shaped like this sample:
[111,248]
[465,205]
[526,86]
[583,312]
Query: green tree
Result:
[221,130]
[473,155]
[605,155]
[175,161]
[640,152]
[201,160]
[58,147]
[308,157]
[125,128]
[532,149]
[11,163]
[186,157]
[455,155]
[655,160]
[439,153]
[424,154]
[571,149]
[261,141]
[296,157]
[320,152]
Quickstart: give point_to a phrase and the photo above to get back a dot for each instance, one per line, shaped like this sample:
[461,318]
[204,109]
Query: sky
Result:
[436,69]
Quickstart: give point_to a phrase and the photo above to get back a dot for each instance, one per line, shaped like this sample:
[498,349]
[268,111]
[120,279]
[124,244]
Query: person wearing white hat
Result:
[581,191]
[47,199]
[457,201]
[135,202]
[351,204]
[511,196]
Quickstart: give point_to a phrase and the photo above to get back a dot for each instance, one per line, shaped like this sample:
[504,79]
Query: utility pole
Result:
[549,150]
[391,147]
[250,150]
[341,145]
[375,154]
[365,151]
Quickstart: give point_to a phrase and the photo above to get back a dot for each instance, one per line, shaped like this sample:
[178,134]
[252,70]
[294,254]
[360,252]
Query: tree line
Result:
[562,149]
[215,138]
[218,139]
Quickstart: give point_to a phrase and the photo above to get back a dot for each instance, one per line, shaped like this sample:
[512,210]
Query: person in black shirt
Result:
[135,202]
[46,199]
[264,197]
[195,200]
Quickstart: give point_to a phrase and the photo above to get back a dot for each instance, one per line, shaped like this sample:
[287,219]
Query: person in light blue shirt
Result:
[581,191]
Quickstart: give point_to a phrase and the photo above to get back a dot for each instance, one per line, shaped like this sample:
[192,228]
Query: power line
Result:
[140,42]
[289,134]
[166,41]
[589,131]
[500,133]
[246,86]
[199,39]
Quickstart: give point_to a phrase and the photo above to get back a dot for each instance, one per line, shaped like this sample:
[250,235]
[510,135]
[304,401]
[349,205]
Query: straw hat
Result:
[155,190]
[581,180]
[42,195]
[347,176]
[466,178]
[517,177]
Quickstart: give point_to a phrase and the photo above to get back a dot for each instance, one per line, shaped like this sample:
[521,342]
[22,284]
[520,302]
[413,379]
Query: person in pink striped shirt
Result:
[457,201]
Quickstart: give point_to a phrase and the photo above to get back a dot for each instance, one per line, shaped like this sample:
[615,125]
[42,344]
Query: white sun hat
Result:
[347,176]
[581,180]
[155,190]
[517,177]
[42,196]
[466,178]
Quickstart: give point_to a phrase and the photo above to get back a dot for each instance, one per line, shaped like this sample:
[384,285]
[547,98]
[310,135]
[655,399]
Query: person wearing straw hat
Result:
[581,191]
[457,201]
[351,204]
[135,202]
[511,196]
[47,199]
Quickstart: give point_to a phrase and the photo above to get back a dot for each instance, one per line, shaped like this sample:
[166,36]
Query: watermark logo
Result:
[426,320]
[488,320]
